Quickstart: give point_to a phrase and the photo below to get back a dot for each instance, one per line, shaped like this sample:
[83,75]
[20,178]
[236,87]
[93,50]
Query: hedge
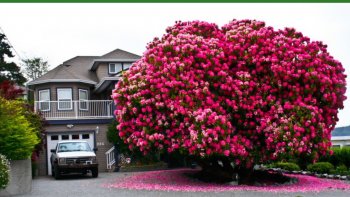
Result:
[17,136]
[340,156]
[287,166]
[320,167]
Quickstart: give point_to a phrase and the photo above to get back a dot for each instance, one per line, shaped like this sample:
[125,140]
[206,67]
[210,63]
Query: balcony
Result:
[67,109]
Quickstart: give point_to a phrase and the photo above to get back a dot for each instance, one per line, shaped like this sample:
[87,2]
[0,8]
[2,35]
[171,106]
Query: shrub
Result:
[287,166]
[344,156]
[189,91]
[340,156]
[17,136]
[4,171]
[136,156]
[113,137]
[342,170]
[320,167]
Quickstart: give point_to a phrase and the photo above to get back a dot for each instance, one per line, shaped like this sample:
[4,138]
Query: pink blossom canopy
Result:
[245,91]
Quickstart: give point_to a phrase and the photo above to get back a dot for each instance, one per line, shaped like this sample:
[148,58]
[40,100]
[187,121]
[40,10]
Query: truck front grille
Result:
[76,160]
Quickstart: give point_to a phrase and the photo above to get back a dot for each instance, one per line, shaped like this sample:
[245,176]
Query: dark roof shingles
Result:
[79,67]
[341,131]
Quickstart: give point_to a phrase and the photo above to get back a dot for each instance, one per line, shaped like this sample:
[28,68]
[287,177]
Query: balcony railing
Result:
[67,109]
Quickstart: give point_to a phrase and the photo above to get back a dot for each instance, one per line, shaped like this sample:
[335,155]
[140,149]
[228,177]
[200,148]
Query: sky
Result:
[58,32]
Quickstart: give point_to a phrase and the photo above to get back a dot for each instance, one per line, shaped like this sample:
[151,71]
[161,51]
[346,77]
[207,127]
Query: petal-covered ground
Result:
[178,180]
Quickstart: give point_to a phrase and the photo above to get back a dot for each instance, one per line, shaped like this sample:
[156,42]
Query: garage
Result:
[54,138]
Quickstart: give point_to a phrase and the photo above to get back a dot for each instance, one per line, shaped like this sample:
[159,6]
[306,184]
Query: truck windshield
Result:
[73,146]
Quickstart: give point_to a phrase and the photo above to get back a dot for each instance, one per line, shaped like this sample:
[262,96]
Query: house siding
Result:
[53,89]
[102,71]
[53,94]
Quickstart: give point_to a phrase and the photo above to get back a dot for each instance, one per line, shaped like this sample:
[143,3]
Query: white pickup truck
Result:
[73,156]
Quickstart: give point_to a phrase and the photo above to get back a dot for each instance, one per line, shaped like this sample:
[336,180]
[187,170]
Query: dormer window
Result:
[126,66]
[115,68]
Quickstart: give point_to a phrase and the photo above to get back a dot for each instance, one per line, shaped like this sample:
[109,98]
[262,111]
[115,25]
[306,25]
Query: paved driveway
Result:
[76,185]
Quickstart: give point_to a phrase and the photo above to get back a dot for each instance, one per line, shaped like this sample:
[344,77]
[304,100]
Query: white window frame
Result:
[42,101]
[115,68]
[70,100]
[81,101]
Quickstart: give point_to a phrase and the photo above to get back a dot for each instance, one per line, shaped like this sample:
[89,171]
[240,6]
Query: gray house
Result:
[75,100]
[341,137]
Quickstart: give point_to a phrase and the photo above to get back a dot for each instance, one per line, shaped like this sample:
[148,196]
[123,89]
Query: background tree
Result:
[10,91]
[9,70]
[35,67]
[242,94]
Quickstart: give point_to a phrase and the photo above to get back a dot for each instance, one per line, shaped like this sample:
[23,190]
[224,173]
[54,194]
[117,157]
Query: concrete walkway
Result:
[77,185]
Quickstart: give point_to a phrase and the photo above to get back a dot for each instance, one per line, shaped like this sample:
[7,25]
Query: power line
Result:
[8,40]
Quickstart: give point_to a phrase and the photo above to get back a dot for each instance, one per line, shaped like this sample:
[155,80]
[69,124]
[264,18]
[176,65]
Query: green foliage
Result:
[340,156]
[137,157]
[287,166]
[4,171]
[320,167]
[113,137]
[35,67]
[342,170]
[9,70]
[37,122]
[18,136]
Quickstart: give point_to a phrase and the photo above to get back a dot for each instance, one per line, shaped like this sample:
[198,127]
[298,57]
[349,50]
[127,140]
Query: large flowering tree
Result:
[245,93]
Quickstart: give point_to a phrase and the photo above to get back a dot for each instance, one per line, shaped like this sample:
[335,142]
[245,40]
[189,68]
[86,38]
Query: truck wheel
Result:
[94,172]
[57,173]
[52,172]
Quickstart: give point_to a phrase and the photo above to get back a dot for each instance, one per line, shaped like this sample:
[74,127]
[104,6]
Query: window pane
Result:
[86,136]
[75,137]
[126,66]
[115,67]
[112,68]
[83,105]
[83,95]
[65,104]
[44,105]
[44,95]
[64,93]
[54,137]
[65,137]
[118,67]
[64,96]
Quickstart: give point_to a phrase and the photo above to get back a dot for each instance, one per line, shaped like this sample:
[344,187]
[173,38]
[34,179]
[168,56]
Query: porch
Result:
[75,109]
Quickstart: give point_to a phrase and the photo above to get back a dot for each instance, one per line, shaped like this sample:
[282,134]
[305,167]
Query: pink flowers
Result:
[179,180]
[244,91]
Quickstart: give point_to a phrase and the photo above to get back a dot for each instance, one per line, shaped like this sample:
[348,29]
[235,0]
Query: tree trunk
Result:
[116,158]
[246,176]
[213,171]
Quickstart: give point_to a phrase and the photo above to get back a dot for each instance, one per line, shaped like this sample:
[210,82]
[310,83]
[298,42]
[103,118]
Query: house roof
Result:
[117,55]
[120,54]
[341,131]
[77,69]
[106,81]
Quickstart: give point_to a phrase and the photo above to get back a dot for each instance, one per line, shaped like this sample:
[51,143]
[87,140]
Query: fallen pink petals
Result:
[176,180]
